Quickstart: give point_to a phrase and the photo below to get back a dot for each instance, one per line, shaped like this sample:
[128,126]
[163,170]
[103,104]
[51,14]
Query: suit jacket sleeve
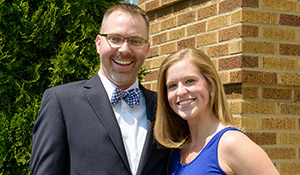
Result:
[49,142]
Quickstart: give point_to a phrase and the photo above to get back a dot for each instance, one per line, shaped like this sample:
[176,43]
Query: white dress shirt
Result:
[132,122]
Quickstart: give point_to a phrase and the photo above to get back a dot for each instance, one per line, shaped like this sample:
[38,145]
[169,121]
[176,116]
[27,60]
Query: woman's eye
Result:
[171,86]
[189,81]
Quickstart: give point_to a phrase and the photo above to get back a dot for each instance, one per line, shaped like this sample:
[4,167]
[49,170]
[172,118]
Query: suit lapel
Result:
[150,99]
[97,97]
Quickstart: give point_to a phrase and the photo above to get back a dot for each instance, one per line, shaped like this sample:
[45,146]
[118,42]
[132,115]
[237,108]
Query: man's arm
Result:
[49,142]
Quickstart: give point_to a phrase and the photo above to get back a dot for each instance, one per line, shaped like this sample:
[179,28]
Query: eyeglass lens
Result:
[119,40]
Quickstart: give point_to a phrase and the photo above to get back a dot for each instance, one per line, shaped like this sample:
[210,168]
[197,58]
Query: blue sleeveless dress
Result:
[206,161]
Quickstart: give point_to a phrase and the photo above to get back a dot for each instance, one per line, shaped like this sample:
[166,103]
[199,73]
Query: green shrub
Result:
[43,43]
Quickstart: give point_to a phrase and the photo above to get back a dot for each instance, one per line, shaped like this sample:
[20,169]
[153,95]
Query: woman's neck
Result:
[201,134]
[203,128]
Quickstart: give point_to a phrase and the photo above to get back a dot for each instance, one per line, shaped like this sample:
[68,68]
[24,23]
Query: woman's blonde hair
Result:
[170,130]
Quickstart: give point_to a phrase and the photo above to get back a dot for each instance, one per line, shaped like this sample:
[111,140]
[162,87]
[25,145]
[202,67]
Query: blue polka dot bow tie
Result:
[131,97]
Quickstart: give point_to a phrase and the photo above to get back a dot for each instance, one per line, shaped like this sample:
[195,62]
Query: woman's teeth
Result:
[185,102]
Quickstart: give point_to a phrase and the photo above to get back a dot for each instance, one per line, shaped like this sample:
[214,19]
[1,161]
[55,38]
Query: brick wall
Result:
[255,47]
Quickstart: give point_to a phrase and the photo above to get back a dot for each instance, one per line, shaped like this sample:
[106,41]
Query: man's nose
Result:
[124,46]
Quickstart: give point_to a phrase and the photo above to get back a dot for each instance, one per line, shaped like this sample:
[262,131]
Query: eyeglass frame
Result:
[124,38]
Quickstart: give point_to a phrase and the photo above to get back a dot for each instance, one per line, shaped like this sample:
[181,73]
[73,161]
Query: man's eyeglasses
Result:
[118,40]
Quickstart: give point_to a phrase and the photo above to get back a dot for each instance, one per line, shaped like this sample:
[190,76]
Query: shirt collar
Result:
[110,87]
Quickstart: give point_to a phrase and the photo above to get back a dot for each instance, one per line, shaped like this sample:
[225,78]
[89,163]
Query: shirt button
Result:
[125,135]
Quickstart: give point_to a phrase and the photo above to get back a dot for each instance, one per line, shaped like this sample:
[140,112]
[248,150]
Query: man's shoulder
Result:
[71,88]
[148,92]
[150,96]
[75,84]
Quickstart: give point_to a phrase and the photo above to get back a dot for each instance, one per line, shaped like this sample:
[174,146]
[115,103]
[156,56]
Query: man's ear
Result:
[97,42]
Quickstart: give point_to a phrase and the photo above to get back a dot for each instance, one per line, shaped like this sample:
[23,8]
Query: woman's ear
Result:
[209,84]
[210,88]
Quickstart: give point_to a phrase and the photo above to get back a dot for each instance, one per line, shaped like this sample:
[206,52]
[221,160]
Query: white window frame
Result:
[136,2]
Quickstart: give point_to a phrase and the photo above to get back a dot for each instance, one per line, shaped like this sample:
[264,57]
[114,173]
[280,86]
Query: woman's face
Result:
[187,90]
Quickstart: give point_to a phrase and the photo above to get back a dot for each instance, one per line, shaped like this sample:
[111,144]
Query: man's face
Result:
[122,64]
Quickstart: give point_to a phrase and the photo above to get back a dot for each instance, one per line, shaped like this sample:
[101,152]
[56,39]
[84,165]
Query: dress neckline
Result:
[205,147]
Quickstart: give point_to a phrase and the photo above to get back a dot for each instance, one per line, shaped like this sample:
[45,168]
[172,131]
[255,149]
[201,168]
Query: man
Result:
[84,128]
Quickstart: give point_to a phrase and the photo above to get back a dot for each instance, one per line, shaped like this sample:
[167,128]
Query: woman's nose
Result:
[181,90]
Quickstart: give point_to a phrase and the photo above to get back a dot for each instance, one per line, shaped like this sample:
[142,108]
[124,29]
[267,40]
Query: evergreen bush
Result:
[43,43]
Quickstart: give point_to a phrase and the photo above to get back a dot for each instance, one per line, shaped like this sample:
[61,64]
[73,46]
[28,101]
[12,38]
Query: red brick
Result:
[181,7]
[168,48]
[147,64]
[187,18]
[250,3]
[154,28]
[277,94]
[207,12]
[253,77]
[186,43]
[219,50]
[270,123]
[280,5]
[206,38]
[147,85]
[154,51]
[281,153]
[290,79]
[260,47]
[165,13]
[250,93]
[230,33]
[196,28]
[229,5]
[199,3]
[152,17]
[169,2]
[238,92]
[149,6]
[289,168]
[151,76]
[289,49]
[218,22]
[233,92]
[160,38]
[142,1]
[263,138]
[168,23]
[238,62]
[238,31]
[249,31]
[290,20]
[177,33]
[297,96]
[290,109]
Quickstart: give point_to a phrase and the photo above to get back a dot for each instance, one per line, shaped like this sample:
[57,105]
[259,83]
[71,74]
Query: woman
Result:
[194,118]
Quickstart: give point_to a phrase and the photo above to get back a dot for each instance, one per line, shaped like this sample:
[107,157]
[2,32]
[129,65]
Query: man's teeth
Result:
[185,102]
[122,62]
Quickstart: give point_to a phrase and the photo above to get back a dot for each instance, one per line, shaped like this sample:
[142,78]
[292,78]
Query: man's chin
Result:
[124,81]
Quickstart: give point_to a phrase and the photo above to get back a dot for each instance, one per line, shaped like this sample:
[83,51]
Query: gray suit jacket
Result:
[76,133]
